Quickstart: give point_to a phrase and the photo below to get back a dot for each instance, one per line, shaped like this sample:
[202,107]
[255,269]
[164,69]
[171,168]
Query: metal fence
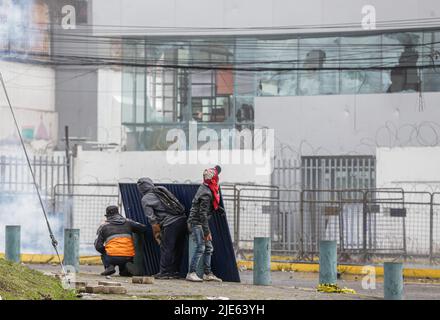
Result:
[364,223]
[86,203]
[15,176]
[435,226]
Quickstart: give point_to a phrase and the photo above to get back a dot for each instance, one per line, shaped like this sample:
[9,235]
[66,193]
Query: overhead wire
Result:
[54,242]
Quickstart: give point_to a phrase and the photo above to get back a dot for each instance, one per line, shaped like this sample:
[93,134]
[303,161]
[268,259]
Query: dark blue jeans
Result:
[116,261]
[203,248]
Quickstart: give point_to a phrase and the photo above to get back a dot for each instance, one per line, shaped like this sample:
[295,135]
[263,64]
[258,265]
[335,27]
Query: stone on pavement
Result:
[143,280]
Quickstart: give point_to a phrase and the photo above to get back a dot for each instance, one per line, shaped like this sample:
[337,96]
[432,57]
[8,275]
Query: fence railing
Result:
[15,175]
[84,206]
[365,223]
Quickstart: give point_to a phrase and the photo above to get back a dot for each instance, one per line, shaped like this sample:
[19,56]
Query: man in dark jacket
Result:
[168,221]
[115,242]
[205,203]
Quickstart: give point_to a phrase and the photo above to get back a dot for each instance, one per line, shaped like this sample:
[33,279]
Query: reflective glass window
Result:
[323,54]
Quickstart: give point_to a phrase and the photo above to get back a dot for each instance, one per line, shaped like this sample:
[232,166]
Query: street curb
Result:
[50,258]
[344,269]
[274,266]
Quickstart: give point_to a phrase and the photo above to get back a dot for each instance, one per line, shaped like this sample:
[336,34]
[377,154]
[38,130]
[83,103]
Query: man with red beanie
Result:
[205,203]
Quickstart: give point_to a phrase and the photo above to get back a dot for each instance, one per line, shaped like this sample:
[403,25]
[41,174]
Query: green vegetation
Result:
[18,282]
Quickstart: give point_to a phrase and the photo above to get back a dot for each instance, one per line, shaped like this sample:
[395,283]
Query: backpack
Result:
[169,201]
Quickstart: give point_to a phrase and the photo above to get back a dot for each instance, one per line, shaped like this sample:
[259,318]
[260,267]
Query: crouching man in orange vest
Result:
[115,242]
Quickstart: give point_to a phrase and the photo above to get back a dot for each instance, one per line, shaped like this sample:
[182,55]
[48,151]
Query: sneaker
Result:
[193,277]
[176,275]
[163,276]
[211,277]
[109,271]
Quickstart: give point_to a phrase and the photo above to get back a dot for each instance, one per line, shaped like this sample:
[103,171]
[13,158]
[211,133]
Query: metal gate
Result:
[338,172]
[332,215]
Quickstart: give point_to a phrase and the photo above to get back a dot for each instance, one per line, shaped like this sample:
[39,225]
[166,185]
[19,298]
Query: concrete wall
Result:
[142,14]
[410,168]
[414,169]
[130,166]
[76,100]
[350,124]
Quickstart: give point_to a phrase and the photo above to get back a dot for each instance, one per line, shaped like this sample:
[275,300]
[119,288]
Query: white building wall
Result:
[416,170]
[410,168]
[350,124]
[109,128]
[31,90]
[114,166]
[145,16]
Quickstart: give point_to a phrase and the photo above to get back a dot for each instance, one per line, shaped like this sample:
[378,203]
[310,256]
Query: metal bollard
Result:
[71,248]
[262,261]
[328,264]
[12,243]
[191,250]
[393,280]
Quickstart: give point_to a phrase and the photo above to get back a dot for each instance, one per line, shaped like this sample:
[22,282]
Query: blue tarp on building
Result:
[223,261]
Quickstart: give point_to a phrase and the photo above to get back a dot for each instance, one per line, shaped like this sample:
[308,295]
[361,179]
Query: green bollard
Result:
[393,280]
[262,261]
[191,250]
[328,264]
[12,243]
[71,248]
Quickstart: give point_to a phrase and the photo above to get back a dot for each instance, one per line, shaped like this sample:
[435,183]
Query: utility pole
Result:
[69,213]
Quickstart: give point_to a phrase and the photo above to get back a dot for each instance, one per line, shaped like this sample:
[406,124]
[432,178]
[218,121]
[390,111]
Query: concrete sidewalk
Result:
[285,286]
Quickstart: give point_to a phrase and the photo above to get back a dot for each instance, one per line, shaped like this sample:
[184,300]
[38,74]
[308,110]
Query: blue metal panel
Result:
[223,261]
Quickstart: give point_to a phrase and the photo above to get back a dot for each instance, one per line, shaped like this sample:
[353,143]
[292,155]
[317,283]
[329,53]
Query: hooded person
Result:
[205,203]
[168,221]
[115,242]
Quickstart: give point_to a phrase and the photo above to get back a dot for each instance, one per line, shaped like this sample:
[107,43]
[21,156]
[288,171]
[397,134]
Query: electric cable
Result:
[54,242]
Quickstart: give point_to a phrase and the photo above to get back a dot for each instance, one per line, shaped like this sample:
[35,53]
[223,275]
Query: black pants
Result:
[172,246]
[116,261]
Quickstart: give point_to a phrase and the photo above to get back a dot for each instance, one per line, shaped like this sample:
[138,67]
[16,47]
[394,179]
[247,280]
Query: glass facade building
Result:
[213,81]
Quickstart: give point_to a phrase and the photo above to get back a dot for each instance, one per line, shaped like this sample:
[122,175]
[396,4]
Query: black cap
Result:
[111,210]
[218,168]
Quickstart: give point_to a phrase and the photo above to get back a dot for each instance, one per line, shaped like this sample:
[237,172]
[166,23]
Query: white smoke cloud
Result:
[24,210]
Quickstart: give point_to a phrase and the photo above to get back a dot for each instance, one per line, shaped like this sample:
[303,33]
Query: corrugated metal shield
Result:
[223,261]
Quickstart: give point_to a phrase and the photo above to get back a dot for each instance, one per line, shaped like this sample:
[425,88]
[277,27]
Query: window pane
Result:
[245,112]
[245,55]
[140,96]
[431,76]
[169,91]
[361,52]
[127,96]
[282,55]
[402,51]
[315,54]
[162,84]
[202,83]
[245,83]
[224,82]
[201,77]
